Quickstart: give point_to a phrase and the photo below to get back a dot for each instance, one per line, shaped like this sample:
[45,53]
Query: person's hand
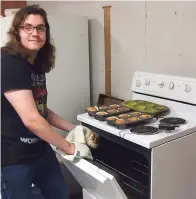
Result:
[81,151]
[71,150]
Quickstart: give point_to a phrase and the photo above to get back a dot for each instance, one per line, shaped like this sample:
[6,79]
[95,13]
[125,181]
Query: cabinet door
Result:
[5,26]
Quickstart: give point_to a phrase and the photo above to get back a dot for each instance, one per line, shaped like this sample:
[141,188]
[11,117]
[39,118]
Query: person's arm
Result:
[59,122]
[23,102]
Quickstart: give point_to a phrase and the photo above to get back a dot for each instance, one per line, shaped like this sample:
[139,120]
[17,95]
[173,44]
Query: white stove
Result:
[148,141]
[138,166]
[182,97]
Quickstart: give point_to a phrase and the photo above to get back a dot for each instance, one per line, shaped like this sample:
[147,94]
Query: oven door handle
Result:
[86,167]
[81,165]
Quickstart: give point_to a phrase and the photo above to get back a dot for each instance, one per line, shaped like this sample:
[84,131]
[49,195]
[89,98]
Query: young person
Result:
[27,156]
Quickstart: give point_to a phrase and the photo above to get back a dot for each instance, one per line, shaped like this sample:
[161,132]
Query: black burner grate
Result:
[172,120]
[144,130]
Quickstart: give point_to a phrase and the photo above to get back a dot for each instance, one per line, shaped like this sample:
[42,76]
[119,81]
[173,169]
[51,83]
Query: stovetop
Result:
[151,135]
[177,93]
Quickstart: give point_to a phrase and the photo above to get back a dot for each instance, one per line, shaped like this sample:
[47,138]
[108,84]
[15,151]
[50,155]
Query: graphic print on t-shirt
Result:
[38,85]
[40,93]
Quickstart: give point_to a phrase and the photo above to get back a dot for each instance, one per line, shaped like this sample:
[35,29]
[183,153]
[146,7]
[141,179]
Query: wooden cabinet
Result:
[11,4]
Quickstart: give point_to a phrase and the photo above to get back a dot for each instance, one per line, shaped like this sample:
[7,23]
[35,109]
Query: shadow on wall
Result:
[90,61]
[96,59]
[119,72]
[122,67]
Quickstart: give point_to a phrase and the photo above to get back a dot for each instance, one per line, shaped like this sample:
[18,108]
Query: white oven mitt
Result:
[82,151]
[77,136]
[83,135]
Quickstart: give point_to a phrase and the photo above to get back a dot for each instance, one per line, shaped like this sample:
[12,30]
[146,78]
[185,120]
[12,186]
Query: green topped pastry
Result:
[140,107]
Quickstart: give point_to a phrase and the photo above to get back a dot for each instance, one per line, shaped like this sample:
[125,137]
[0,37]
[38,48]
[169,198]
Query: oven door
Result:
[120,169]
[95,178]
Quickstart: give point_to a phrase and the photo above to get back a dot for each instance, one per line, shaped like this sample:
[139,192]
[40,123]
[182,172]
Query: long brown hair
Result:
[45,58]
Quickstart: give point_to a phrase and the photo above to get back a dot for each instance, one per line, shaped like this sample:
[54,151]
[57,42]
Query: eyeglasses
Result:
[29,29]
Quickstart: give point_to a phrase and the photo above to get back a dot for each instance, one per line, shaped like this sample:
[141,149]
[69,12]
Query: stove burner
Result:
[144,130]
[172,120]
[167,127]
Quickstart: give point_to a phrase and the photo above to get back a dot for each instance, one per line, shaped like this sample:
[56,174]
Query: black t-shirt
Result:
[18,144]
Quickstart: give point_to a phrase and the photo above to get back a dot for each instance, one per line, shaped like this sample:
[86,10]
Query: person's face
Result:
[33,33]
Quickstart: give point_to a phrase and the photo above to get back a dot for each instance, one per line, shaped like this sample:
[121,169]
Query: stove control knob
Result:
[147,82]
[171,85]
[138,83]
[187,88]
[161,84]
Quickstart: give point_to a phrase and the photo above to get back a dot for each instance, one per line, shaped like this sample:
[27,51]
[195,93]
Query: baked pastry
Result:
[112,118]
[120,121]
[122,109]
[114,106]
[103,108]
[101,113]
[123,116]
[160,108]
[131,103]
[132,119]
[140,107]
[132,114]
[91,109]
[144,116]
[112,111]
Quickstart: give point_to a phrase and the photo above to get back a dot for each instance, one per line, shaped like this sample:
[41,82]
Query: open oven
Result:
[120,169]
[151,161]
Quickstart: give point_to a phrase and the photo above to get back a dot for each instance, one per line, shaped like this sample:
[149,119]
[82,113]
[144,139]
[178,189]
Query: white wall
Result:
[146,36]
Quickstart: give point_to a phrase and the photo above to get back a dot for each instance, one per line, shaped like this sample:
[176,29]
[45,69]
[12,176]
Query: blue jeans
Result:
[45,173]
